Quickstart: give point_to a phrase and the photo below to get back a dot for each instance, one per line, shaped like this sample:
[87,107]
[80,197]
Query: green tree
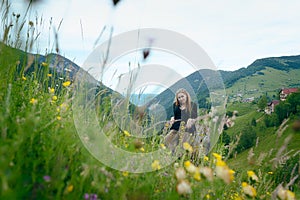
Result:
[294,101]
[271,120]
[247,139]
[262,103]
[282,111]
[225,138]
[253,122]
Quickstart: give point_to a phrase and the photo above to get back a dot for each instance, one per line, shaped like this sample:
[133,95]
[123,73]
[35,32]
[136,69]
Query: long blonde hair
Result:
[188,99]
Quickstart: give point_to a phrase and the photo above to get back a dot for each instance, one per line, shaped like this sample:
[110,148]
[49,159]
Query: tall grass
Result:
[42,156]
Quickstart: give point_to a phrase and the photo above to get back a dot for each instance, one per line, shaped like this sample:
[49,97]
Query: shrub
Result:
[247,139]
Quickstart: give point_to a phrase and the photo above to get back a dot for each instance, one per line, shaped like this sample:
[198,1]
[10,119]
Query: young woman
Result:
[185,111]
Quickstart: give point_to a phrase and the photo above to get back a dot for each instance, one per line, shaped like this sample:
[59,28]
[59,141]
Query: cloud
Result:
[233,34]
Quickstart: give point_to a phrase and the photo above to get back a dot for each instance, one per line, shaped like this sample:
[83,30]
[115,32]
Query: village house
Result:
[271,106]
[284,92]
[248,100]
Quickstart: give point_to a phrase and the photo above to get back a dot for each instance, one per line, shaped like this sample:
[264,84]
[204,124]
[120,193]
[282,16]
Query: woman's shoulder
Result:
[175,105]
[193,104]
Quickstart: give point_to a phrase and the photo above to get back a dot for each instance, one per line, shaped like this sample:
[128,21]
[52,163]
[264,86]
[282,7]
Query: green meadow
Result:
[265,82]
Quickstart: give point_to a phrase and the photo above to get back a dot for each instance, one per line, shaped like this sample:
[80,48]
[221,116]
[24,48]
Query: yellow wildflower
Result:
[220,163]
[182,126]
[54,98]
[166,125]
[70,188]
[33,101]
[238,198]
[125,173]
[190,167]
[187,163]
[207,196]
[281,193]
[187,146]
[217,156]
[142,149]
[49,75]
[222,170]
[252,175]
[206,158]
[270,173]
[58,118]
[284,194]
[248,189]
[66,84]
[225,173]
[162,146]
[155,165]
[44,64]
[231,175]
[51,90]
[127,133]
[290,195]
[197,176]
[23,78]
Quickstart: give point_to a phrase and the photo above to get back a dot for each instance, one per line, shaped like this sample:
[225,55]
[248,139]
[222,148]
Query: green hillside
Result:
[269,141]
[267,81]
[263,76]
[274,152]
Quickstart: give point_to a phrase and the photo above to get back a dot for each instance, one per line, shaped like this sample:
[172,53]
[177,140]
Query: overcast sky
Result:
[233,33]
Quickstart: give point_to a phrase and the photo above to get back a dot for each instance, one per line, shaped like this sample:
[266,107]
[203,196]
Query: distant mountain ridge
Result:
[65,68]
[196,81]
[280,63]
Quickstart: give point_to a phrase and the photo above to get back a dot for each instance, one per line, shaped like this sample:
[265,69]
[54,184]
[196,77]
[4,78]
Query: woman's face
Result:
[181,98]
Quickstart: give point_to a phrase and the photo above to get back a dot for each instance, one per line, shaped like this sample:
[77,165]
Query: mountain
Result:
[20,63]
[274,69]
[61,69]
[266,75]
[284,63]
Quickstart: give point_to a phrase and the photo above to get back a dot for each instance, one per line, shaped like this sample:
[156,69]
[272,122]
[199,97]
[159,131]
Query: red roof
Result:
[275,102]
[288,90]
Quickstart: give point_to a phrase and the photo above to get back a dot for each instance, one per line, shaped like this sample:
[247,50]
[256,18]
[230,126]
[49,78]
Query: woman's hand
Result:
[190,122]
[172,120]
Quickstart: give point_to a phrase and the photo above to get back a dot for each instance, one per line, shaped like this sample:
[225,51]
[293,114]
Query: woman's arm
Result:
[194,116]
[194,112]
[191,121]
[172,120]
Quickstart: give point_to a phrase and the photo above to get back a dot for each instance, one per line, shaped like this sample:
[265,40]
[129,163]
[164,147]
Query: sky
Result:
[232,33]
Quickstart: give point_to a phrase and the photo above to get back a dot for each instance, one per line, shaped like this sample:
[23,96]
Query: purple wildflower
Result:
[47,178]
[86,196]
[94,197]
